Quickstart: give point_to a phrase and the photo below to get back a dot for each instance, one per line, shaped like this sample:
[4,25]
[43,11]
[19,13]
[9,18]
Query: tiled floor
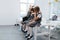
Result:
[13,33]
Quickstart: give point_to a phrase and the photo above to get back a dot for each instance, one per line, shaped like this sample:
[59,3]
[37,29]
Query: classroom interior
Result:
[12,12]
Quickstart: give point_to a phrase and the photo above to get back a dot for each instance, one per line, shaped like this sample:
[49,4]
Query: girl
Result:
[35,21]
[24,28]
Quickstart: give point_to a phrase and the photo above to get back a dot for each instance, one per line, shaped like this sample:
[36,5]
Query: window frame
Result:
[27,6]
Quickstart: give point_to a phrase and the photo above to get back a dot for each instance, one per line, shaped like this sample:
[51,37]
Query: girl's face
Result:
[31,11]
[30,7]
[35,11]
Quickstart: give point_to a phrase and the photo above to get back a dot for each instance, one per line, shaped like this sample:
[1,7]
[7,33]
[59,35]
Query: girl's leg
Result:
[30,32]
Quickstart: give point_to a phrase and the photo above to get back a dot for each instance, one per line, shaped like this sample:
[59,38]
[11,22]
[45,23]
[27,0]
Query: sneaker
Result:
[24,31]
[27,35]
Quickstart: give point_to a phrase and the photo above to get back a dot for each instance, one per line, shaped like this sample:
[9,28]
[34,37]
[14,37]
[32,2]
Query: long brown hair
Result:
[37,9]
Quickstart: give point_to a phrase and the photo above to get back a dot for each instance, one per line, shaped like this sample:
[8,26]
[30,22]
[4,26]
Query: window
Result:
[55,9]
[24,1]
[31,1]
[24,6]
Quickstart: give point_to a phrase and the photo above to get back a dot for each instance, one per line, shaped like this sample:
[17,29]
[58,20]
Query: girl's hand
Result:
[31,22]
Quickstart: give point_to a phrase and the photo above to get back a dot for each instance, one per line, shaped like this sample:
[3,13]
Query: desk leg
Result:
[49,31]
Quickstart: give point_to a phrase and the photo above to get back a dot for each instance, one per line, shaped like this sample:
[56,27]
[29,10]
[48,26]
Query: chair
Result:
[41,33]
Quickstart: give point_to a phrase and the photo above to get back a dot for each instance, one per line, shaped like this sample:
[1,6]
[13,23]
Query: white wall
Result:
[44,6]
[9,10]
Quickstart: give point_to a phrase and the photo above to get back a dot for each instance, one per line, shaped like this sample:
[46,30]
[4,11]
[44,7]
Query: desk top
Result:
[52,23]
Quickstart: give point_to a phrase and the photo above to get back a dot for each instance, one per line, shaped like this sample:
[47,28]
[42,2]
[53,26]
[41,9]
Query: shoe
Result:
[27,35]
[24,31]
